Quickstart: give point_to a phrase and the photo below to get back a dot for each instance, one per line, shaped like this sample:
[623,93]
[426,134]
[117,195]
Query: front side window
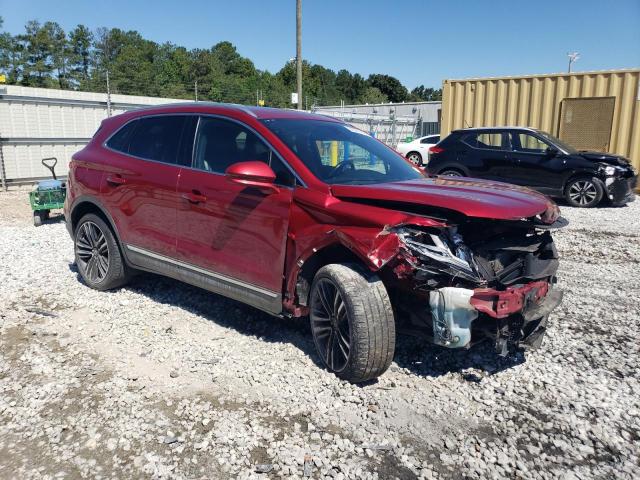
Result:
[337,153]
[486,140]
[157,138]
[221,143]
[558,143]
[527,143]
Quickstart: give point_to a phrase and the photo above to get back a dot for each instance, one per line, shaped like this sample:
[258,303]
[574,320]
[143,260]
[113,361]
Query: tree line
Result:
[47,56]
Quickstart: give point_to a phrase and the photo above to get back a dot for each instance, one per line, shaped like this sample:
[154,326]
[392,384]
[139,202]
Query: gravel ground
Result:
[162,380]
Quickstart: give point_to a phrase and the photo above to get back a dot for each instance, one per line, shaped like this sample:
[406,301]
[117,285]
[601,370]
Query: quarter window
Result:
[221,143]
[157,138]
[120,141]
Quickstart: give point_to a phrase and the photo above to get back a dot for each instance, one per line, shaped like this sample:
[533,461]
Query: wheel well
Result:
[87,207]
[414,151]
[576,176]
[335,253]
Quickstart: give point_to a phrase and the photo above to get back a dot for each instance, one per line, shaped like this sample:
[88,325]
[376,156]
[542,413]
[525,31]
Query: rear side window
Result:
[120,141]
[491,141]
[157,138]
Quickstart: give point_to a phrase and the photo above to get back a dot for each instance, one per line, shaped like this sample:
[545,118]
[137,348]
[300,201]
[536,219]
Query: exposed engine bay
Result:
[477,280]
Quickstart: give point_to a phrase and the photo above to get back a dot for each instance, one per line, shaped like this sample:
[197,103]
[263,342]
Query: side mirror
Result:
[253,174]
[551,152]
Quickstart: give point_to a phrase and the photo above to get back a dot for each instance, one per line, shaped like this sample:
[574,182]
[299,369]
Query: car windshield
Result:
[557,142]
[339,154]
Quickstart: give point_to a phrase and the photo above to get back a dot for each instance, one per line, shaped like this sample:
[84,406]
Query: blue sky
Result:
[419,42]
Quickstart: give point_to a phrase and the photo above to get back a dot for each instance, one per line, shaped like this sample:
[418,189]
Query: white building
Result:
[36,123]
[390,122]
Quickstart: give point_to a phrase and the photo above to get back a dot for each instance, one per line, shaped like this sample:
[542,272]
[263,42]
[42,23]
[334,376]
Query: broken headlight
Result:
[445,248]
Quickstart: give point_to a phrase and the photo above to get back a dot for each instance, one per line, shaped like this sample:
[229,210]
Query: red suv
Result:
[303,215]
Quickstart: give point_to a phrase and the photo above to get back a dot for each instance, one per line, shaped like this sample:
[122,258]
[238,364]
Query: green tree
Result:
[11,56]
[36,44]
[389,86]
[426,94]
[80,50]
[350,87]
[372,95]
[43,56]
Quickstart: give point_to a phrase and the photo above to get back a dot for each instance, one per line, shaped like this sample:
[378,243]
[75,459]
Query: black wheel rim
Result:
[330,325]
[583,192]
[92,252]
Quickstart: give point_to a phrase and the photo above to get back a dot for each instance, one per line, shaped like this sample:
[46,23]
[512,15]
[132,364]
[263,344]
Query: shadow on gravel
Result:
[603,205]
[424,359]
[413,354]
[54,218]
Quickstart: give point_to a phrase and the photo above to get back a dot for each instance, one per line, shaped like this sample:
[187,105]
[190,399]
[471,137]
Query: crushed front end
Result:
[478,279]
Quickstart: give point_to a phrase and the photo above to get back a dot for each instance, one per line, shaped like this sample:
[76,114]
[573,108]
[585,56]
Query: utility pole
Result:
[196,89]
[299,51]
[572,58]
[108,96]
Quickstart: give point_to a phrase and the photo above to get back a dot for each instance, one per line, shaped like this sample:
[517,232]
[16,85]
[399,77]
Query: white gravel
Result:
[163,380]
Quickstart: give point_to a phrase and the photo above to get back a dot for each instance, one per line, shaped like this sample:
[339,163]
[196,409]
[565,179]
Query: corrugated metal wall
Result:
[37,122]
[535,101]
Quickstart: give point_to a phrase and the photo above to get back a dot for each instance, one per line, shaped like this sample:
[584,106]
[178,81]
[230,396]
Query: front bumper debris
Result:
[518,314]
[620,190]
[501,304]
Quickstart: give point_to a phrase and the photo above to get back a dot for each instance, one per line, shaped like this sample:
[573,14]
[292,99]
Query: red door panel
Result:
[141,198]
[232,230]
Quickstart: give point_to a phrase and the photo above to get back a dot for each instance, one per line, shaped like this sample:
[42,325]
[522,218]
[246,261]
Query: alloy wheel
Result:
[583,192]
[415,159]
[451,173]
[330,325]
[92,252]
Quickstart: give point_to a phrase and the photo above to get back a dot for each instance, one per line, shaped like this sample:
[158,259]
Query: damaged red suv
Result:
[301,215]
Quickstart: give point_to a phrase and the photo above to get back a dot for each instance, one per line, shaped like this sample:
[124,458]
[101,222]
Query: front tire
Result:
[98,255]
[584,192]
[352,322]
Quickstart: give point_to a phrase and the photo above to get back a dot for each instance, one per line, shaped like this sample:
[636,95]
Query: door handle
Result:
[194,197]
[116,180]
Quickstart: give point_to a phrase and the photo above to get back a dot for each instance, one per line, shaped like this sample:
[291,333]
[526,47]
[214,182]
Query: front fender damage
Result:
[458,283]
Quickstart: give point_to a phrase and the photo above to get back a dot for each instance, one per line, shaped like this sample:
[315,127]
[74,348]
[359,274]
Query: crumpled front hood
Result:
[471,197]
[607,158]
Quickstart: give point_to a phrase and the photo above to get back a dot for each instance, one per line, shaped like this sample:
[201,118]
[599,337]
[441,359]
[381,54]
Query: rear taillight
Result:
[436,149]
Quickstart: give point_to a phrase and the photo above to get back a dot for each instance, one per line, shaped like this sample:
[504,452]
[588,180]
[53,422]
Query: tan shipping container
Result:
[591,110]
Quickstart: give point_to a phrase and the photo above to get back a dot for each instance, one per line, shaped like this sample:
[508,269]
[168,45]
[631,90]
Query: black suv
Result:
[529,157]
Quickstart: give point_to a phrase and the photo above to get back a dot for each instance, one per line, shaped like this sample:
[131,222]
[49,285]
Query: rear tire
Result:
[415,158]
[352,322]
[98,255]
[37,219]
[451,172]
[584,192]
